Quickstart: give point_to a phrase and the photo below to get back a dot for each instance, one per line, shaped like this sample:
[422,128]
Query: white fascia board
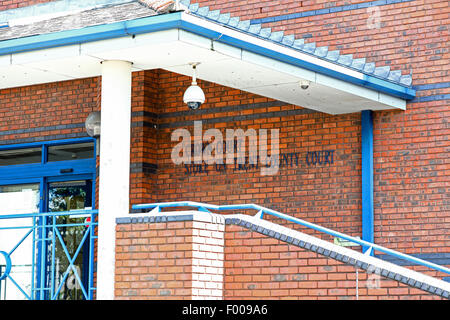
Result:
[191,38]
[55,53]
[323,80]
[5,61]
[97,48]
[346,87]
[391,101]
[208,44]
[227,50]
[361,91]
[279,66]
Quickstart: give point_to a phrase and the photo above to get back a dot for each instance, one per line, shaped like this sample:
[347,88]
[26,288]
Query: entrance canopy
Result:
[232,53]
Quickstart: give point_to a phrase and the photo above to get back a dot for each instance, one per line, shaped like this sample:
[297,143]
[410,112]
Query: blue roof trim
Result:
[174,20]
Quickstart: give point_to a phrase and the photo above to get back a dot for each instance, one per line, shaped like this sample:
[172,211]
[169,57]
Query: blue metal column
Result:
[367,176]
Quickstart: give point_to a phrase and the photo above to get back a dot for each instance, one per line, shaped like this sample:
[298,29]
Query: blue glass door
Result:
[42,185]
[16,240]
[70,241]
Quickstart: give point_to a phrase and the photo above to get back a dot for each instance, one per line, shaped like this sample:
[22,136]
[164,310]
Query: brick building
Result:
[354,93]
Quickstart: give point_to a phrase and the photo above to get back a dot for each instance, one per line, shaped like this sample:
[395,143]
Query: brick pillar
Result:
[208,257]
[169,256]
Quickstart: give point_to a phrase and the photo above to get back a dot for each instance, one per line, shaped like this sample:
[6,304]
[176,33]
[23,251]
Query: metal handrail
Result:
[47,214]
[262,211]
[35,228]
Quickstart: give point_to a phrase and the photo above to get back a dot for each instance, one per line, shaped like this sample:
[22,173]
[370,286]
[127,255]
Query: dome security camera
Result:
[304,84]
[194,96]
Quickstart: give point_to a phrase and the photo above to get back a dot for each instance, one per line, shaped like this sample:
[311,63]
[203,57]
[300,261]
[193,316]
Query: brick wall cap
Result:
[169,216]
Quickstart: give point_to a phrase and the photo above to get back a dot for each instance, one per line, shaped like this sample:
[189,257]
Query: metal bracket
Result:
[259,215]
[368,252]
[202,209]
[156,209]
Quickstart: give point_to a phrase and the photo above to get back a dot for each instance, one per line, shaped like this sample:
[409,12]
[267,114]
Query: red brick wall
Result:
[58,111]
[410,153]
[61,107]
[411,176]
[328,194]
[260,267]
[411,165]
[145,92]
[153,261]
[169,260]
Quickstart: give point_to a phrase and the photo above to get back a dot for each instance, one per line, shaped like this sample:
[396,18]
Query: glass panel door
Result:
[70,241]
[17,199]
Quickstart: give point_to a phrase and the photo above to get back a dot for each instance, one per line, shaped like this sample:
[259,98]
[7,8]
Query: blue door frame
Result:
[44,173]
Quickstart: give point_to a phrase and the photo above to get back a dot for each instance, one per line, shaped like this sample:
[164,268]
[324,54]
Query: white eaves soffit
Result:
[229,65]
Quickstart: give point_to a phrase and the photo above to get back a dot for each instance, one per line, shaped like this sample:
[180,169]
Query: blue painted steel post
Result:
[367,176]
[40,242]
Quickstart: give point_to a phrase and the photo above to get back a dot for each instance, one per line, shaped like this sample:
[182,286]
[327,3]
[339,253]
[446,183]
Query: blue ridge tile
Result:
[309,47]
[346,59]
[233,22]
[321,51]
[288,40]
[203,11]
[382,72]
[299,43]
[369,67]
[406,80]
[214,15]
[255,28]
[265,32]
[224,18]
[358,63]
[395,75]
[244,25]
[194,7]
[185,2]
[277,36]
[332,55]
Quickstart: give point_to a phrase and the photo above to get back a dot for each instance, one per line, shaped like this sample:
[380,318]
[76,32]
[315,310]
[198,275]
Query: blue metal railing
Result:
[44,230]
[156,207]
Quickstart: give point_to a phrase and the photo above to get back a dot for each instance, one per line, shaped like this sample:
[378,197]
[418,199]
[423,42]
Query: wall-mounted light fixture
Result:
[93,126]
